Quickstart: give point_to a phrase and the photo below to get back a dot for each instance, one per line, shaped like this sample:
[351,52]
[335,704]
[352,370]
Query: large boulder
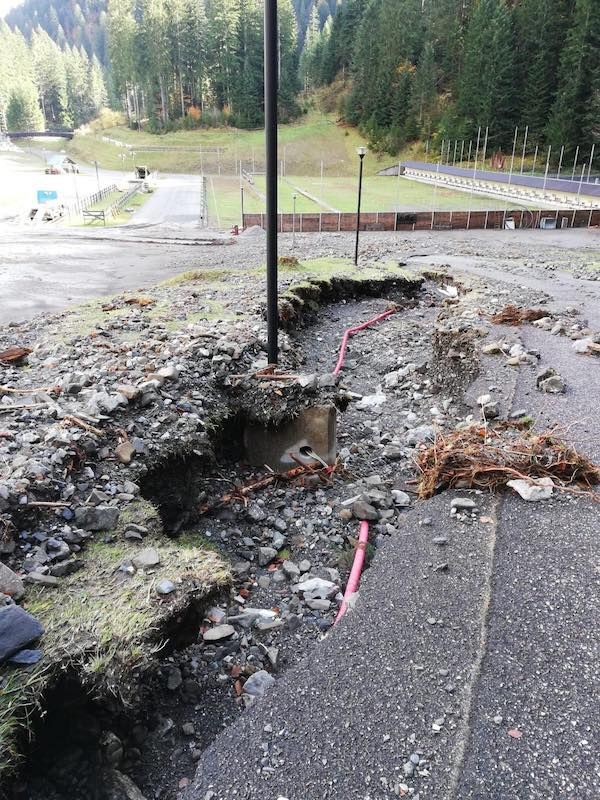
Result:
[97,518]
[17,630]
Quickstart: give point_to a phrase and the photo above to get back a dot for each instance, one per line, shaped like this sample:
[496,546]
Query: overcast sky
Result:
[6,5]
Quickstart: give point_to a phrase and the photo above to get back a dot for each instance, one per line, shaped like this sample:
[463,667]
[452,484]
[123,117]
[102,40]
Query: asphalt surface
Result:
[345,721]
[564,289]
[47,272]
[502,649]
[540,671]
[176,200]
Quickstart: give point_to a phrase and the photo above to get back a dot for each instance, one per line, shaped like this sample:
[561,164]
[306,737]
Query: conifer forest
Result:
[400,70]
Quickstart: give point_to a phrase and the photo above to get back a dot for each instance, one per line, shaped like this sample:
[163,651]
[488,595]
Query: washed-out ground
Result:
[50,270]
[467,667]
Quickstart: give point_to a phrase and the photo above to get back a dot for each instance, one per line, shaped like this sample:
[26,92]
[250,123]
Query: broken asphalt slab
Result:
[393,679]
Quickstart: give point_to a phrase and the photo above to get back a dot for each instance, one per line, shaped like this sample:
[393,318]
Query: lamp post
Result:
[362,152]
[294,198]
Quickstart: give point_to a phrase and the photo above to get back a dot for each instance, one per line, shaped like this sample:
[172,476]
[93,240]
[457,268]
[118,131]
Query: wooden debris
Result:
[139,301]
[25,407]
[14,354]
[34,390]
[297,473]
[516,315]
[81,424]
[44,504]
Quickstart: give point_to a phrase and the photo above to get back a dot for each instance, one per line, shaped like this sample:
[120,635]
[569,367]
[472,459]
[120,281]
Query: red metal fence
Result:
[428,220]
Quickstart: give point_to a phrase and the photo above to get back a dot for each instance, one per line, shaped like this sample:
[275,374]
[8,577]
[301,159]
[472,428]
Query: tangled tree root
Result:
[515,315]
[478,457]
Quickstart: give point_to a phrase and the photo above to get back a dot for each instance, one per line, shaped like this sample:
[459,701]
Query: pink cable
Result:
[351,331]
[354,579]
[363,535]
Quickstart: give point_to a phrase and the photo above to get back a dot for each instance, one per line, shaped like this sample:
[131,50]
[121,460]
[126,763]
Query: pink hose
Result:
[354,579]
[351,331]
[363,536]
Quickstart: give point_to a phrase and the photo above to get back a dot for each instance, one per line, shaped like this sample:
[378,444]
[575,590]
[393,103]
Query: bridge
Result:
[57,134]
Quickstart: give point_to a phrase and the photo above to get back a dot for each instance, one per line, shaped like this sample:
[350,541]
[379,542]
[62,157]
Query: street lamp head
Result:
[362,151]
[294,196]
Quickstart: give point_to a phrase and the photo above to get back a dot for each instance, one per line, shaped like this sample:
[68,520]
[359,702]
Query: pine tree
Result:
[540,26]
[51,79]
[17,85]
[122,32]
[288,55]
[23,112]
[572,122]
[77,69]
[247,86]
[487,85]
[222,21]
[424,90]
[97,96]
[340,49]
[193,51]
[312,51]
[152,52]
[389,40]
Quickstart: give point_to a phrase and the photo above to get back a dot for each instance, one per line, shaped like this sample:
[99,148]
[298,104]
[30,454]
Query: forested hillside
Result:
[420,68]
[82,23]
[43,85]
[198,61]
[170,62]
[77,23]
[401,70]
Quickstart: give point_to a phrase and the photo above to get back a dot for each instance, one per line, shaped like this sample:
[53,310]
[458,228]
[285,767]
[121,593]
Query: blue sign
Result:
[45,195]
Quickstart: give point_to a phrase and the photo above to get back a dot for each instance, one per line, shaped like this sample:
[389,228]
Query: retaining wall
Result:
[425,220]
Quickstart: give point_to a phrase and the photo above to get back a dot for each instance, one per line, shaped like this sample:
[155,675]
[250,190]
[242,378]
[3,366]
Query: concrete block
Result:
[314,427]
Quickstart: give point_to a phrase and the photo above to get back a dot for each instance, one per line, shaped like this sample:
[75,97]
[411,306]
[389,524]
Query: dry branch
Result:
[241,493]
[81,424]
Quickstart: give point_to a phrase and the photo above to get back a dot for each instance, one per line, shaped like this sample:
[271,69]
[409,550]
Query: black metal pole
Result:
[271,74]
[360,177]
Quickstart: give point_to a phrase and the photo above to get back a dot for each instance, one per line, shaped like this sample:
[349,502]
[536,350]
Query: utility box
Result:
[314,428]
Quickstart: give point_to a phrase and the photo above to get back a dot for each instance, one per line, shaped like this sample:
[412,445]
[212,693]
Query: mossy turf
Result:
[102,624]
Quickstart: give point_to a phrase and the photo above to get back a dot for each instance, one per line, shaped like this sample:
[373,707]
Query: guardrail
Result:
[122,201]
[112,210]
[83,203]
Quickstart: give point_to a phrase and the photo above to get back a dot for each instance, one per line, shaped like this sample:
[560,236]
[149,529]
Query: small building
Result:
[60,163]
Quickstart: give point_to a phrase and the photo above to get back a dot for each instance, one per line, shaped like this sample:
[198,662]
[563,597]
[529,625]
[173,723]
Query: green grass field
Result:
[394,194]
[302,146]
[317,159]
[379,194]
